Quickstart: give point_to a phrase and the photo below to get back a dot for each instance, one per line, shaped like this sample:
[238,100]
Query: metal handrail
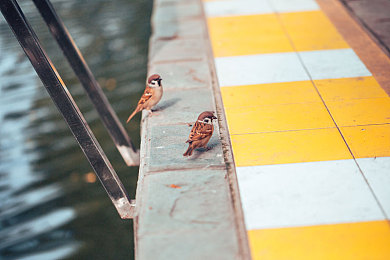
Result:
[67,107]
[90,84]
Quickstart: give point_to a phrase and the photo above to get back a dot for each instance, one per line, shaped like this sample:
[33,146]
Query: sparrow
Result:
[152,95]
[201,132]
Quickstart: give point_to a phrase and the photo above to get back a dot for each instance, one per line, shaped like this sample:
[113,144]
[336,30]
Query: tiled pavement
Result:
[310,127]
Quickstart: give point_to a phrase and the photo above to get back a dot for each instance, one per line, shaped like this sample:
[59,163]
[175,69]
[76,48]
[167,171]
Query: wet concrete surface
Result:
[374,16]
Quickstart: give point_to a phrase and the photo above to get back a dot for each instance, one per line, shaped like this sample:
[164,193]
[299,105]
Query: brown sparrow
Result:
[201,132]
[152,95]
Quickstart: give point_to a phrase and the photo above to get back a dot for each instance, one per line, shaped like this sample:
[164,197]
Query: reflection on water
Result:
[51,205]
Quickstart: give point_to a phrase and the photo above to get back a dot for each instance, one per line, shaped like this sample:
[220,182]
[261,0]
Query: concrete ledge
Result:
[190,220]
[187,208]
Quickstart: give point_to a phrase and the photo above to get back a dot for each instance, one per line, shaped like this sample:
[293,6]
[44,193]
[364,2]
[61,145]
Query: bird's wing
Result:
[200,131]
[148,93]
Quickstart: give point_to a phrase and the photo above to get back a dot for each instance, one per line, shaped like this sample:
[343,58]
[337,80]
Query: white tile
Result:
[304,194]
[257,69]
[283,6]
[330,64]
[237,7]
[377,172]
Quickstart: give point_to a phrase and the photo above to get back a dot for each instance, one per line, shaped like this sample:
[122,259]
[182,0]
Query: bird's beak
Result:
[214,117]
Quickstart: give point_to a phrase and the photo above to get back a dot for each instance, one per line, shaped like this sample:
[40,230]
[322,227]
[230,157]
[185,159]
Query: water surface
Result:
[51,205]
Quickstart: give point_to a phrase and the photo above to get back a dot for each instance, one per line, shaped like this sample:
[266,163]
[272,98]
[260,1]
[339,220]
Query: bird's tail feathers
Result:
[133,114]
[189,151]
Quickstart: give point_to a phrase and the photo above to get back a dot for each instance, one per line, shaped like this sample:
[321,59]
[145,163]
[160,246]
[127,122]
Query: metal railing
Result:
[65,103]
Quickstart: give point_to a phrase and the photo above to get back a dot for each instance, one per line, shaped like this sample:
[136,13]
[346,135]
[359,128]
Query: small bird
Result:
[201,132]
[152,95]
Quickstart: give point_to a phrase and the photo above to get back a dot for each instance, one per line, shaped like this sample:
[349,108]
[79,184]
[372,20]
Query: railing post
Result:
[67,107]
[91,86]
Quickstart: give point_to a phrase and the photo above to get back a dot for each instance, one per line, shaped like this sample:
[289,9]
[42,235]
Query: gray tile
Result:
[196,210]
[176,11]
[190,245]
[170,2]
[177,49]
[167,145]
[305,194]
[377,172]
[333,64]
[197,199]
[182,106]
[179,29]
[237,7]
[282,6]
[259,69]
[185,74]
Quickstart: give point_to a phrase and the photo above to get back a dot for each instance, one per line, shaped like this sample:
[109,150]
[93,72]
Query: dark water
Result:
[51,206]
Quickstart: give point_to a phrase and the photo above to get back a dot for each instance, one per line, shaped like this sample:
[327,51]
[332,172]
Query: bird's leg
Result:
[207,148]
[152,113]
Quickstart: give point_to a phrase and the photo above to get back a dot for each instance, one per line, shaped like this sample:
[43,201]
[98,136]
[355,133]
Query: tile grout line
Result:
[338,128]
[309,129]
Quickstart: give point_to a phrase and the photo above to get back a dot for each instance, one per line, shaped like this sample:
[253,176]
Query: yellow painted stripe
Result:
[349,88]
[250,34]
[312,31]
[368,141]
[289,147]
[263,118]
[265,33]
[355,241]
[269,94]
[360,111]
[278,118]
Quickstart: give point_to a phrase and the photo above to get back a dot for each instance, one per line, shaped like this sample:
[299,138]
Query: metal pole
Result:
[91,86]
[67,107]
